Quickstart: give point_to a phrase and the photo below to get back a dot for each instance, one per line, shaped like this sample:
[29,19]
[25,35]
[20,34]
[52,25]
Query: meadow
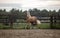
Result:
[25,25]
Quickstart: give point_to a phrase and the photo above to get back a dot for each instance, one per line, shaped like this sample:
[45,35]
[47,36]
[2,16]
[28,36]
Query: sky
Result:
[30,4]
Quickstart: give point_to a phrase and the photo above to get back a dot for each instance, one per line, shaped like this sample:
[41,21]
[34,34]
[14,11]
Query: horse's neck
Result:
[28,14]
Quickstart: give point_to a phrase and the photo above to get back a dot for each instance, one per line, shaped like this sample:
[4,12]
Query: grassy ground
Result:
[41,26]
[25,25]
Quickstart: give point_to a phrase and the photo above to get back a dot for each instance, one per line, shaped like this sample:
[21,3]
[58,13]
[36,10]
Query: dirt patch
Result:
[35,33]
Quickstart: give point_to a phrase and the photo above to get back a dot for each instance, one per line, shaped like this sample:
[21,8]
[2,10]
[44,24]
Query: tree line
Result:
[14,14]
[19,14]
[22,14]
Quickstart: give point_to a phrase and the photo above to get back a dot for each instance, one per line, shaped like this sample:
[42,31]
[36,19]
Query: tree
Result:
[59,12]
[13,17]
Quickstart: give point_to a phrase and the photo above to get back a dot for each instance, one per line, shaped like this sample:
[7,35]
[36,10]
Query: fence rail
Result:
[51,19]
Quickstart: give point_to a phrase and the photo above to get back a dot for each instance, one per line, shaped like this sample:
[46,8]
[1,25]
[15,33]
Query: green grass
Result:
[25,25]
[2,26]
[19,25]
[44,25]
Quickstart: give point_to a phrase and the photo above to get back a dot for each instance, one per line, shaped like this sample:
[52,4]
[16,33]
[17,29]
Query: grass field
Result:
[25,25]
[22,25]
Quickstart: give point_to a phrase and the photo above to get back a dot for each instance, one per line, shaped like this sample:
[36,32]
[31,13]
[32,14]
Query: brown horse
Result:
[32,20]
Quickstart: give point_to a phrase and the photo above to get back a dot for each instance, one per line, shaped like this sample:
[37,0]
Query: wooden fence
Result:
[53,20]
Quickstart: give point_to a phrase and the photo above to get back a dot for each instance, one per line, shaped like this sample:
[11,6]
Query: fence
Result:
[53,20]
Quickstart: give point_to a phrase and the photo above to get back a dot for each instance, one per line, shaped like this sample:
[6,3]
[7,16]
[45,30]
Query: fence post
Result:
[55,21]
[51,22]
[11,21]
